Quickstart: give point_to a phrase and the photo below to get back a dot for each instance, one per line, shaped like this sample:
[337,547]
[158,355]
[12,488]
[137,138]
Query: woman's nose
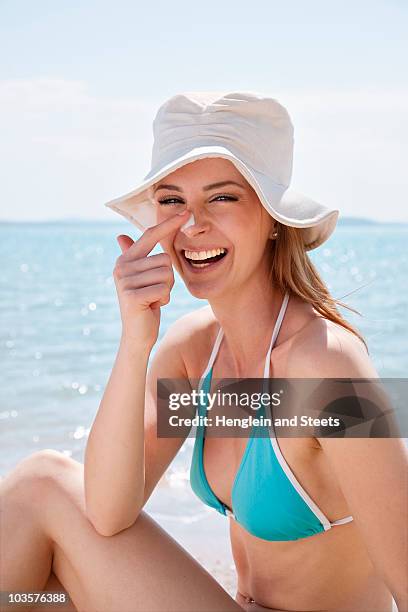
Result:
[191,227]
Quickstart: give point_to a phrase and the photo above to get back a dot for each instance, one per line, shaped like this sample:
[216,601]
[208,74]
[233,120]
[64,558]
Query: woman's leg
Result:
[45,530]
[54,586]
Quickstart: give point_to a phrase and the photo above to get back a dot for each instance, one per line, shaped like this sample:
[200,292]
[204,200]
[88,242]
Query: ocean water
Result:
[60,327]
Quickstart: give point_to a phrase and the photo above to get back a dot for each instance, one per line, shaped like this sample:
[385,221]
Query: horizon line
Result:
[345,218]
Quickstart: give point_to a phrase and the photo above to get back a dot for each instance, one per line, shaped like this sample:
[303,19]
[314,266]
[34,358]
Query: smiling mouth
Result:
[203,263]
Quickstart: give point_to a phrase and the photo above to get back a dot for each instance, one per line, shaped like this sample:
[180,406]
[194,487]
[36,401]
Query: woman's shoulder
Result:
[193,335]
[324,348]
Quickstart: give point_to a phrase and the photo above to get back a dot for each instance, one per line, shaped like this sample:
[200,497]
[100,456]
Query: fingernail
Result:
[182,213]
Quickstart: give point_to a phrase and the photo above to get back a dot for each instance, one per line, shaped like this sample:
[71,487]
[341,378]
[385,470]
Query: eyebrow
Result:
[206,188]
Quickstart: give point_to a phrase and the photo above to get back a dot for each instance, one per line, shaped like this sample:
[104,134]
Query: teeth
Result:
[199,255]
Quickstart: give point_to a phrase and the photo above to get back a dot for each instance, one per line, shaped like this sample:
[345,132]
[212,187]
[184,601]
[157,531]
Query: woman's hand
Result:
[143,283]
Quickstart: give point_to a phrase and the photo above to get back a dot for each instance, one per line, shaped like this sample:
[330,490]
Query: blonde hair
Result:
[291,269]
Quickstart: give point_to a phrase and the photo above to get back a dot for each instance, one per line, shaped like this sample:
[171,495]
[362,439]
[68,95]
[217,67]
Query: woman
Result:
[334,542]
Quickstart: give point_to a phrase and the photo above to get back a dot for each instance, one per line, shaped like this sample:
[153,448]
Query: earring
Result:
[274,235]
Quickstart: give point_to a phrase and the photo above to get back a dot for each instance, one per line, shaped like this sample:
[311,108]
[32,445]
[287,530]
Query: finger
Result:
[147,278]
[149,239]
[125,242]
[136,266]
[151,294]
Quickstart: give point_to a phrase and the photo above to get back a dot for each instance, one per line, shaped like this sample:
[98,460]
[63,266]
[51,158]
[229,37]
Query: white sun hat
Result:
[251,130]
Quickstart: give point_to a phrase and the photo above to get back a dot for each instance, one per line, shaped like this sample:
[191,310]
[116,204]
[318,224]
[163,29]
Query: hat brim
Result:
[287,206]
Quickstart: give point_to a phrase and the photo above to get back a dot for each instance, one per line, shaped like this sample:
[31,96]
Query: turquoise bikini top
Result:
[267,499]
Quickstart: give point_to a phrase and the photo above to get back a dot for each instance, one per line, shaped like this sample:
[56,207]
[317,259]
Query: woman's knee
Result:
[34,475]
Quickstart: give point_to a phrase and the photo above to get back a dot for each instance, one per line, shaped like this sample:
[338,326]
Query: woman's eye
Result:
[226,197]
[168,200]
[220,198]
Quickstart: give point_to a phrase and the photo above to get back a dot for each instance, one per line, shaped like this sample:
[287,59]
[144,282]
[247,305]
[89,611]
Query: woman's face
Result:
[227,215]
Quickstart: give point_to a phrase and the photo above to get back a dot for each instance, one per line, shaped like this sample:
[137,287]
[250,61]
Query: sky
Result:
[81,82]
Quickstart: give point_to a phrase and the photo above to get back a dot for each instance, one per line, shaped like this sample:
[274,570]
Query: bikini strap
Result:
[275,333]
[212,356]
[342,521]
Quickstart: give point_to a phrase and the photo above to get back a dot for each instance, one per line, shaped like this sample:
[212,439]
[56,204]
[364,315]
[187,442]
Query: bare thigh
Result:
[140,568]
[54,586]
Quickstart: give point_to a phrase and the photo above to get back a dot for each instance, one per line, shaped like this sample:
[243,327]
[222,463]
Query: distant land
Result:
[343,221]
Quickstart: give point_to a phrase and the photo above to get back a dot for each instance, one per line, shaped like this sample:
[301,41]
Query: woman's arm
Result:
[114,470]
[114,461]
[124,459]
[372,472]
[373,476]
